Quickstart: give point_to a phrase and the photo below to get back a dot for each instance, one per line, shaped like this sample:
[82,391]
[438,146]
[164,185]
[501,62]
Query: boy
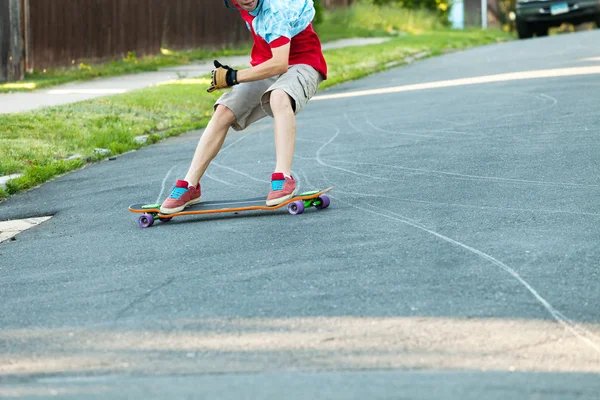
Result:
[287,68]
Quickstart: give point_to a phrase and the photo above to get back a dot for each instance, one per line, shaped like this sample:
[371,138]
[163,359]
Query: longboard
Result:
[295,205]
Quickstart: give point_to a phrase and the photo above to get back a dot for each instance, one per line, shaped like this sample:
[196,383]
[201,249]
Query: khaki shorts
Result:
[249,101]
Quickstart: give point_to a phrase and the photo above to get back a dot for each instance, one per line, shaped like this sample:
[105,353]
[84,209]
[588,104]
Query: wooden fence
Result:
[60,32]
[11,55]
[65,32]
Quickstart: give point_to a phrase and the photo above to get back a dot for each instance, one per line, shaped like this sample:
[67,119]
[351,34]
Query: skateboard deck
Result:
[295,205]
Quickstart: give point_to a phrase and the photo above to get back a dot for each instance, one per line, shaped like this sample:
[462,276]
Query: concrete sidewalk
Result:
[79,91]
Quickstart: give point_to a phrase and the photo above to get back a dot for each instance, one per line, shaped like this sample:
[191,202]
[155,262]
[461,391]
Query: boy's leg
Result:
[284,99]
[285,130]
[188,192]
[210,143]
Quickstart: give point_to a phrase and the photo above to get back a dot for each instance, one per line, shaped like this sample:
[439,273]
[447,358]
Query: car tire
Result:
[598,21]
[541,31]
[524,30]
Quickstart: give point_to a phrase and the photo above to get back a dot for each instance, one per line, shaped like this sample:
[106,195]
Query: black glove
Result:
[223,76]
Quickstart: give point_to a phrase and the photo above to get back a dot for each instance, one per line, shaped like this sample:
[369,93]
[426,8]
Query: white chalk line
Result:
[309,140]
[439,203]
[555,314]
[240,172]
[320,161]
[209,176]
[164,182]
[529,112]
[502,116]
[475,177]
[425,136]
[590,333]
[305,158]
[223,150]
[360,131]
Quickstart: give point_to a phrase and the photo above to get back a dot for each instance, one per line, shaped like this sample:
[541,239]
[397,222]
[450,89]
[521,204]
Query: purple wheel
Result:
[166,219]
[324,202]
[145,220]
[296,207]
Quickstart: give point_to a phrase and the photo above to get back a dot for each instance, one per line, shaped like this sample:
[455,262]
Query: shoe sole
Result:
[275,202]
[167,211]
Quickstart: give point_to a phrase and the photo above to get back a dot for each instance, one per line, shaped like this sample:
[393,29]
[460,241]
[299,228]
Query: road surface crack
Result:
[142,298]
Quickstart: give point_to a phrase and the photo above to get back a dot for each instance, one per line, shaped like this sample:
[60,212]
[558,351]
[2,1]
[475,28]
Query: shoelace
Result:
[277,185]
[177,192]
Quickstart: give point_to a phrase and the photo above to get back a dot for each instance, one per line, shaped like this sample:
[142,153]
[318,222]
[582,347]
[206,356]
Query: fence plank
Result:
[4,39]
[11,41]
[63,32]
[26,35]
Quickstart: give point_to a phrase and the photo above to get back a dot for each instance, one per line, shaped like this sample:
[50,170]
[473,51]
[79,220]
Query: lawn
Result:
[128,65]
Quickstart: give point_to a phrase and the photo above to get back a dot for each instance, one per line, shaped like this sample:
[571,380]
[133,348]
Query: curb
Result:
[10,229]
[5,179]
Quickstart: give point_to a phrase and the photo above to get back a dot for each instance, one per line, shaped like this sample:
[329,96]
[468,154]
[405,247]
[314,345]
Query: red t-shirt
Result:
[305,48]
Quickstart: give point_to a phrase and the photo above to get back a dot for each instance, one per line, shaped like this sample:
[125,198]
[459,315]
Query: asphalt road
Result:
[459,258]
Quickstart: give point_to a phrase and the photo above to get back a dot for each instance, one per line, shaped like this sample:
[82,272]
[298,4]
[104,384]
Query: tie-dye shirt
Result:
[274,23]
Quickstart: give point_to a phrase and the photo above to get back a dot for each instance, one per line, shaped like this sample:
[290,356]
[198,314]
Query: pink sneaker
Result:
[180,198]
[282,189]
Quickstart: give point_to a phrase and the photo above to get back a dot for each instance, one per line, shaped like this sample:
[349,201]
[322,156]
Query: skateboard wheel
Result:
[166,219]
[324,202]
[145,220]
[296,207]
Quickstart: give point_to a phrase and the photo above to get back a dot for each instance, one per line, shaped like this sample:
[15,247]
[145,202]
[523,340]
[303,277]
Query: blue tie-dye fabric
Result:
[277,18]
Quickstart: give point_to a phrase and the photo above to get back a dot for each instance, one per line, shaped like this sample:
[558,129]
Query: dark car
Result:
[537,16]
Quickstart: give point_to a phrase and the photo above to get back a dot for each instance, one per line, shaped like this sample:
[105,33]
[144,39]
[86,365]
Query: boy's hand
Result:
[223,76]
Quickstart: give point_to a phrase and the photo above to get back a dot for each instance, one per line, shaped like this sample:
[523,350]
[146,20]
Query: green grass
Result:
[363,20]
[128,65]
[38,144]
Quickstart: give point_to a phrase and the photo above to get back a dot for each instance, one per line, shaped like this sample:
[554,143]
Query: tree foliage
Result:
[318,12]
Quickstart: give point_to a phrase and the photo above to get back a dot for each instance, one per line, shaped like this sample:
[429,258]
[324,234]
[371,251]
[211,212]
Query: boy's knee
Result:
[223,115]
[280,101]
